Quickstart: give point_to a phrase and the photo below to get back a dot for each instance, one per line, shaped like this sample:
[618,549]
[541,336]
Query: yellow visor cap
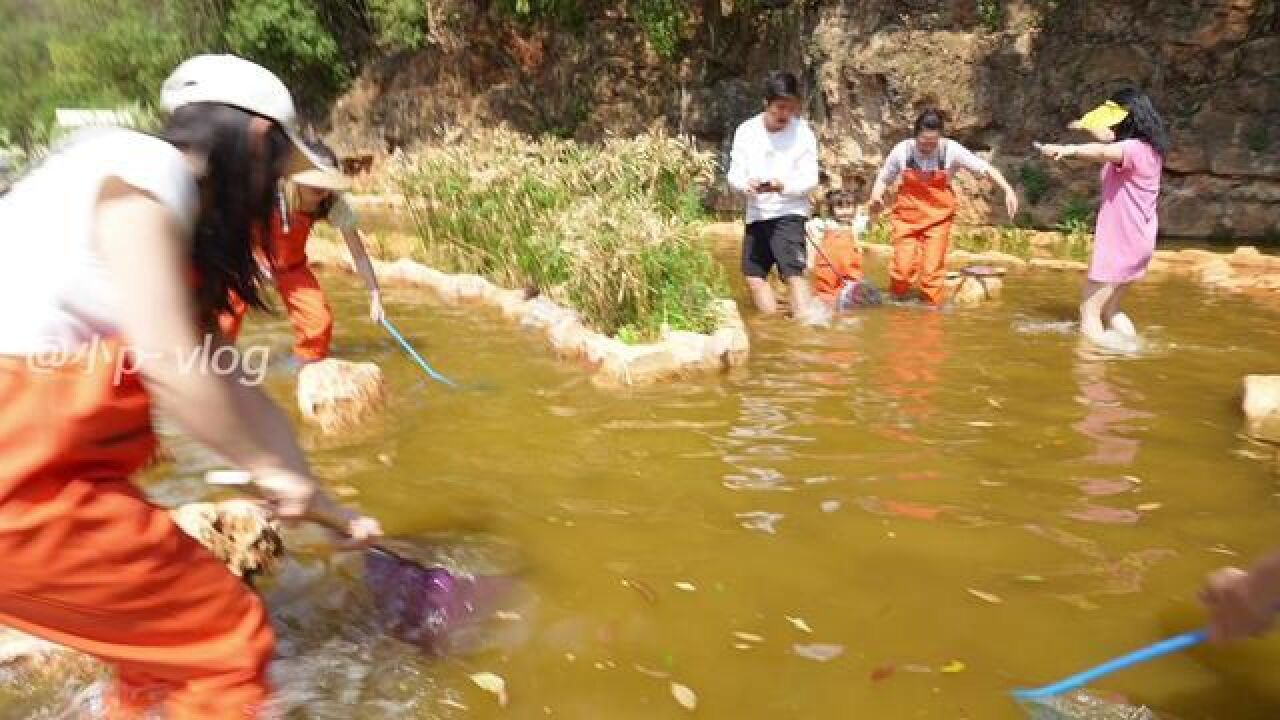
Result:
[1106,115]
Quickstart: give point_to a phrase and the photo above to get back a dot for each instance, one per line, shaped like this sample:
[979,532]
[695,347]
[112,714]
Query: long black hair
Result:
[237,191]
[1142,122]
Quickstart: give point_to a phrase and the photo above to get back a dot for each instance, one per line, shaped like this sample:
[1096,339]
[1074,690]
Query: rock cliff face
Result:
[1006,71]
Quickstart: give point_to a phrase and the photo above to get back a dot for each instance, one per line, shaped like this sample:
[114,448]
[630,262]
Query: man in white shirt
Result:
[775,162]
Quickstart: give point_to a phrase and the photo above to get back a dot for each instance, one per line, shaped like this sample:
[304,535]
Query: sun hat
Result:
[325,177]
[232,80]
[1106,115]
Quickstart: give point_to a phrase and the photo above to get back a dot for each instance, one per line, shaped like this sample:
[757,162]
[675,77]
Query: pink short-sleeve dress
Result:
[1125,236]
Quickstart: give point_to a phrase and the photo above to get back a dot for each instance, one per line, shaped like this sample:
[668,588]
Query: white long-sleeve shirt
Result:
[956,156]
[789,155]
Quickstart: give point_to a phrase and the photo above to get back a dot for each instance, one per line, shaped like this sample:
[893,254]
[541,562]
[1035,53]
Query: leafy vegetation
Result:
[1035,182]
[991,14]
[610,229]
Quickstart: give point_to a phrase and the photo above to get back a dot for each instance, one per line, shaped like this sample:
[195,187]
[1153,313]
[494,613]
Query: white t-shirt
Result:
[957,156]
[789,155]
[53,284]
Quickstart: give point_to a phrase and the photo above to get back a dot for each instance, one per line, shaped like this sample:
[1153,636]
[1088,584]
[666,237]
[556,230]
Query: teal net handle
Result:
[1150,652]
[414,354]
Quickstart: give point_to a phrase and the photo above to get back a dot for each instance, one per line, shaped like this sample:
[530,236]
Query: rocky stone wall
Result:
[1006,71]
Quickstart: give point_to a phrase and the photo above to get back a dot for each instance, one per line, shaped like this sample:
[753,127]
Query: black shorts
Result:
[780,242]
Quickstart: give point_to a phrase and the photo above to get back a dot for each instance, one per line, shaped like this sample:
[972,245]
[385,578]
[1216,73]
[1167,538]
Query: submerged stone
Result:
[338,395]
[240,533]
[1262,406]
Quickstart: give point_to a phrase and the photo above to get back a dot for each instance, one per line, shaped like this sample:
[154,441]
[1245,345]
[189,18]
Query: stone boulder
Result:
[969,291]
[240,533]
[1262,406]
[337,395]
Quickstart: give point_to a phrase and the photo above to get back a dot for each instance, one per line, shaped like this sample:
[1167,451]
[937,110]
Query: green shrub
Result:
[1035,182]
[400,24]
[1015,241]
[991,15]
[609,228]
[1077,215]
[288,37]
[978,242]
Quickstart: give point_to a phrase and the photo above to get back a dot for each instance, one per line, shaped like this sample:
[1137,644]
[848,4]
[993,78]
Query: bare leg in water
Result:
[1099,313]
[800,297]
[762,295]
[1116,320]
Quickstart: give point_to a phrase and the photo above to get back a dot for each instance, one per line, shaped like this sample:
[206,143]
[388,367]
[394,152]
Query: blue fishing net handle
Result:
[414,354]
[1151,652]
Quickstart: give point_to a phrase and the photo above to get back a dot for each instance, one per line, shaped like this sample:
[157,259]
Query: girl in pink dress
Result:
[1132,143]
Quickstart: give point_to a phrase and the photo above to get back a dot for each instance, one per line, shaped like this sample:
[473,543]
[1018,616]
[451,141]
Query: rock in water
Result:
[1262,406]
[967,290]
[339,395]
[240,533]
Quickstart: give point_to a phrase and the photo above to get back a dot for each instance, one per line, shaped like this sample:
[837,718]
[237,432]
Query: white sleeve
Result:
[738,160]
[960,156]
[802,176]
[894,163]
[158,169]
[342,216]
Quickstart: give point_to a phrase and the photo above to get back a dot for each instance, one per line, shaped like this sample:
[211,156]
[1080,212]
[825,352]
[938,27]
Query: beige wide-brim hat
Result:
[328,179]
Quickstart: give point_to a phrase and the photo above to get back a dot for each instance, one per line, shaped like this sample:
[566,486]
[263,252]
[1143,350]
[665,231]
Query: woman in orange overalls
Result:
[317,195]
[925,205]
[101,322]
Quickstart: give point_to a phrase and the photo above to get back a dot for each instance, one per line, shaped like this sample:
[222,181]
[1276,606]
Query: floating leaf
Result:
[1148,507]
[748,637]
[656,674]
[882,673]
[687,698]
[955,666]
[800,624]
[822,652]
[686,586]
[986,596]
[492,683]
[1031,578]
[642,589]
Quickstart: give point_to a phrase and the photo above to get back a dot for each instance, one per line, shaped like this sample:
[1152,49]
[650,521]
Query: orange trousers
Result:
[309,313]
[920,257]
[90,564]
[922,216]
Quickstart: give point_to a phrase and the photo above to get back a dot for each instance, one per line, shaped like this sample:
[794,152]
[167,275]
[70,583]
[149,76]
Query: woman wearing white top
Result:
[925,205]
[101,246]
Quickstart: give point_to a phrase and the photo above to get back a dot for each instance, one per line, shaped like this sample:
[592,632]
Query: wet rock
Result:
[511,302]
[1055,264]
[638,365]
[691,349]
[568,337]
[1262,406]
[240,533]
[968,291]
[1214,271]
[337,395]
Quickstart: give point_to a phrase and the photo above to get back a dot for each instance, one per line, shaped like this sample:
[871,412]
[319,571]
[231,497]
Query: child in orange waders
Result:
[837,275]
[124,219]
[317,195]
[926,204]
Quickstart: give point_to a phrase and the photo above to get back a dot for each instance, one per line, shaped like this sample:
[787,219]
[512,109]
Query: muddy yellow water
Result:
[902,517]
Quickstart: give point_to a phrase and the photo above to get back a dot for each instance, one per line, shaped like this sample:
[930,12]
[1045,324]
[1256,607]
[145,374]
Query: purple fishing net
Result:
[426,606]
